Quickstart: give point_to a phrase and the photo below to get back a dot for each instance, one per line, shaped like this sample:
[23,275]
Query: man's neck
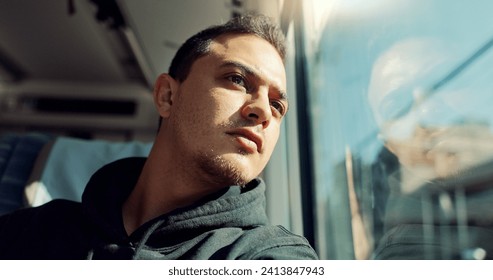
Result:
[160,190]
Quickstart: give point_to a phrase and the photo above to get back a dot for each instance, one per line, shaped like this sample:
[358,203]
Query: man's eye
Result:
[278,106]
[237,79]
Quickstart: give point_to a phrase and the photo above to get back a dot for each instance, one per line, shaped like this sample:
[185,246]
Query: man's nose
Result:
[258,110]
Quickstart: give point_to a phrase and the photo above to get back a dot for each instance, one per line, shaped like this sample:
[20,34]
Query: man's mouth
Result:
[248,139]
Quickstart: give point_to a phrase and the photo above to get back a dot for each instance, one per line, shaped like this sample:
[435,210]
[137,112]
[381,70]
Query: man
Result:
[196,196]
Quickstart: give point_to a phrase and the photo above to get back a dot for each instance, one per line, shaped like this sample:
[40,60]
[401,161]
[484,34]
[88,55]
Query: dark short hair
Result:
[198,45]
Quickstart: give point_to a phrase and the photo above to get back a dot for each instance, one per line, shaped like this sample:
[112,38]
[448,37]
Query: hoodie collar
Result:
[110,186]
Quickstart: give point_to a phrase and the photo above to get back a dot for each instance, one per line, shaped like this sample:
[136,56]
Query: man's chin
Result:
[226,170]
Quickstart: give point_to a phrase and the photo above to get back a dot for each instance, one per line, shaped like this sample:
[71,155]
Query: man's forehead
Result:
[254,53]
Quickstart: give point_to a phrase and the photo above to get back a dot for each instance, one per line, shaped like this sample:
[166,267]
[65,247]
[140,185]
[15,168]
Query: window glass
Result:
[400,95]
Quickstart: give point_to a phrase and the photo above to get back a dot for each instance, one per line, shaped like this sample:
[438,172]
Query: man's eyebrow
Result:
[251,72]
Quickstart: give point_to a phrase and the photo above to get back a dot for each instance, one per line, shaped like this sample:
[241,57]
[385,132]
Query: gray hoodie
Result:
[230,224]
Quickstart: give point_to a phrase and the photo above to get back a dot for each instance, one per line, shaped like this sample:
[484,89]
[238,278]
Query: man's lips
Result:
[248,137]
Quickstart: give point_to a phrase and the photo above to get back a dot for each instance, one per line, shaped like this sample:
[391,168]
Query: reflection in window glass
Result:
[400,101]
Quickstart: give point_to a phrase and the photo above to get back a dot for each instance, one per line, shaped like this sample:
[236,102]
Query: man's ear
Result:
[164,94]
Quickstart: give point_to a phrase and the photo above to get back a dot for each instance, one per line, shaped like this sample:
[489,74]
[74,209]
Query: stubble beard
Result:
[221,170]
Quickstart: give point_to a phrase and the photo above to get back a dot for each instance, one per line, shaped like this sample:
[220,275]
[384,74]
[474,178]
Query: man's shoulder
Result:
[51,212]
[274,242]
[281,241]
[41,232]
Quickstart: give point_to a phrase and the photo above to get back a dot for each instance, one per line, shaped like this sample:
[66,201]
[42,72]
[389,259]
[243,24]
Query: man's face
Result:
[227,113]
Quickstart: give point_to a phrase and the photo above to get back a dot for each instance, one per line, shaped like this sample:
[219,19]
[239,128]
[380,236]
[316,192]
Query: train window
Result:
[399,96]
